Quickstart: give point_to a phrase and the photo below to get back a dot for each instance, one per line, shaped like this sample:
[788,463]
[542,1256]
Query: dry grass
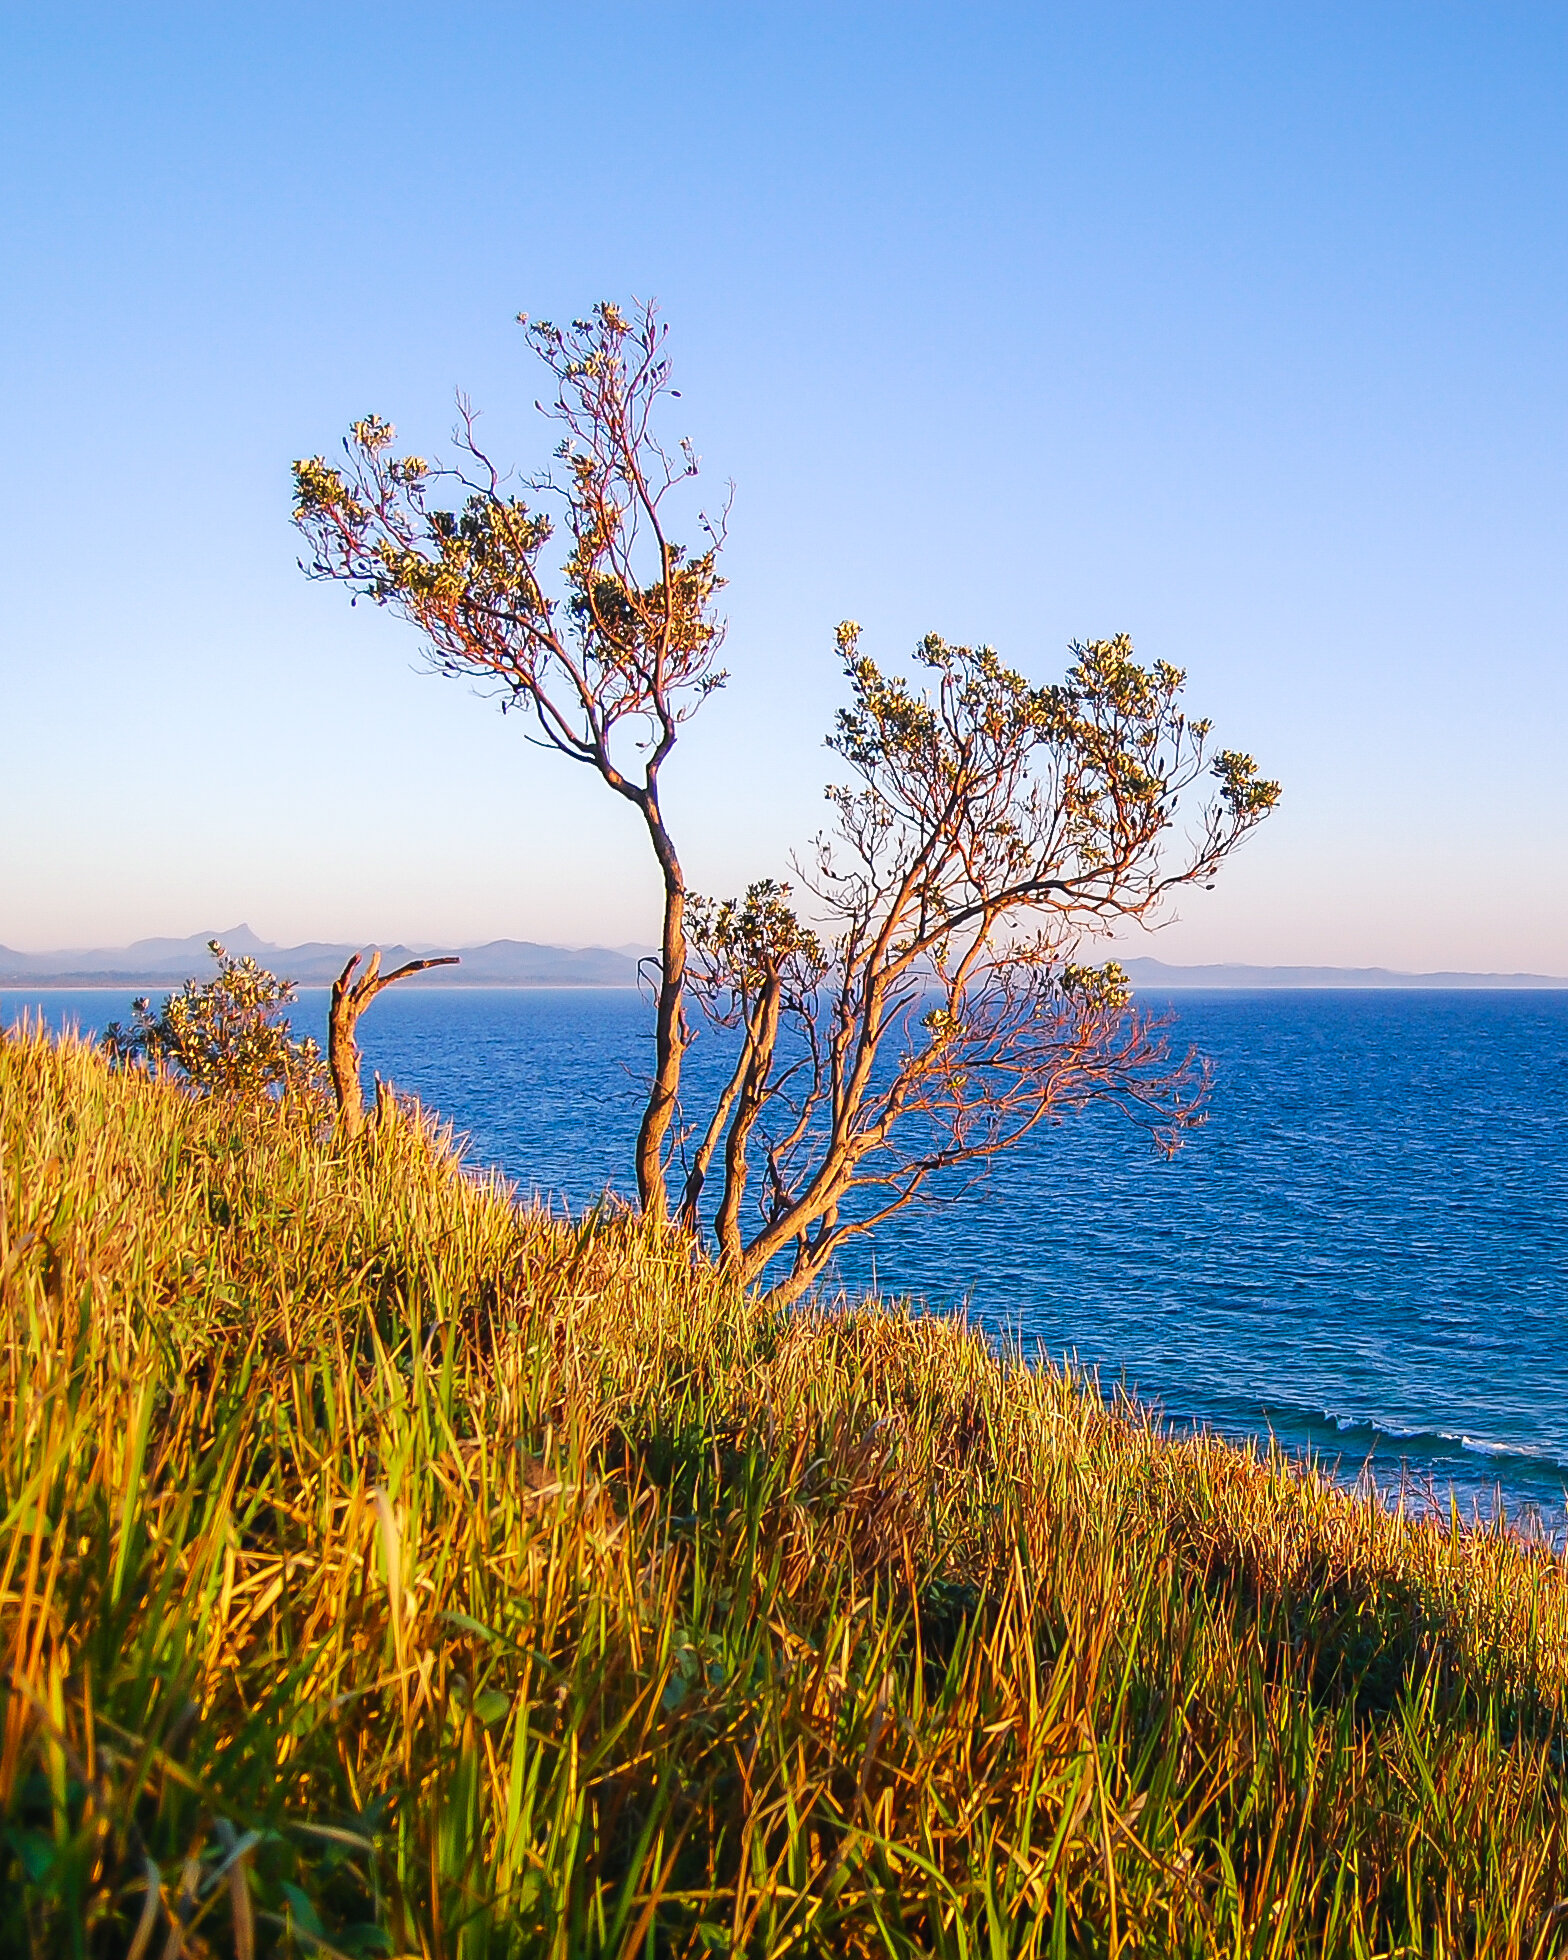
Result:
[387,1569]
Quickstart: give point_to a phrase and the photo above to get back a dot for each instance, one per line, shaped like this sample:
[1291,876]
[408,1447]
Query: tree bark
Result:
[669,1032]
[752,1097]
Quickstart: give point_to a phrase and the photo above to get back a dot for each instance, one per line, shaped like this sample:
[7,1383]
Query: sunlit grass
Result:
[387,1568]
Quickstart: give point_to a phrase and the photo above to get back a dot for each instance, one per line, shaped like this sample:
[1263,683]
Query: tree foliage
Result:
[937,1011]
[609,654]
[926,1002]
[228,1036]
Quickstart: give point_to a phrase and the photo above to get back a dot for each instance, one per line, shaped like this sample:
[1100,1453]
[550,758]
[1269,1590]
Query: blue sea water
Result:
[1363,1253]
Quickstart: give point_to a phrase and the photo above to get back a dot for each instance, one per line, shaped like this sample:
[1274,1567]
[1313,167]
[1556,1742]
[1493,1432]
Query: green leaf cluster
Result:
[228,1036]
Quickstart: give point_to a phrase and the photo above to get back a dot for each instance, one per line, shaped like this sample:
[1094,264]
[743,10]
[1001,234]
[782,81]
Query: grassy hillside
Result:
[387,1569]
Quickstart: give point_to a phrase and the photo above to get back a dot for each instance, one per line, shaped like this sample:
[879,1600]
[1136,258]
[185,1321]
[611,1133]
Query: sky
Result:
[1237,329]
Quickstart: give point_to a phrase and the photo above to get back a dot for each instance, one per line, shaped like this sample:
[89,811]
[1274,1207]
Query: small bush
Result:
[226,1037]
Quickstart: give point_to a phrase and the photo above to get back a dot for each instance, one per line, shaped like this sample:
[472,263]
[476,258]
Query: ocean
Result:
[1363,1253]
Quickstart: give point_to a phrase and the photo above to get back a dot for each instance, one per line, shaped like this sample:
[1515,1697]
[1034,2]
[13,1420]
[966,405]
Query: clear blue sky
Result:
[1238,329]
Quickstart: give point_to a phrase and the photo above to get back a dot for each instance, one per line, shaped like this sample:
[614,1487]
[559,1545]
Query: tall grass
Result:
[385,1568]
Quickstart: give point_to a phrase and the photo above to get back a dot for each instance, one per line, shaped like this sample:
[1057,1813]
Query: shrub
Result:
[226,1037]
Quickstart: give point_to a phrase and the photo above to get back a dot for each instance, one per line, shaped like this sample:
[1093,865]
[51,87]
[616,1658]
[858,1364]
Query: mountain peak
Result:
[170,962]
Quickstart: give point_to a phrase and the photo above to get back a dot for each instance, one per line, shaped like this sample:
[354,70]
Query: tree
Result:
[935,1013]
[610,662]
[933,1008]
[227,1037]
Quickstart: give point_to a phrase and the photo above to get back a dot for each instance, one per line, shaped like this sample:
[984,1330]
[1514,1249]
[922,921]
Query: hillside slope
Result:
[387,1569]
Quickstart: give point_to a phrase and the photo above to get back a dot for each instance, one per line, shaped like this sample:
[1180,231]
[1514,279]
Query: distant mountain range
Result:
[521,963]
[168,962]
[1153,975]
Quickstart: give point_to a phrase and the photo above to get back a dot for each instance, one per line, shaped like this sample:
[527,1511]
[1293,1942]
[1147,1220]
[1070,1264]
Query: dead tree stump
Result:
[350,998]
